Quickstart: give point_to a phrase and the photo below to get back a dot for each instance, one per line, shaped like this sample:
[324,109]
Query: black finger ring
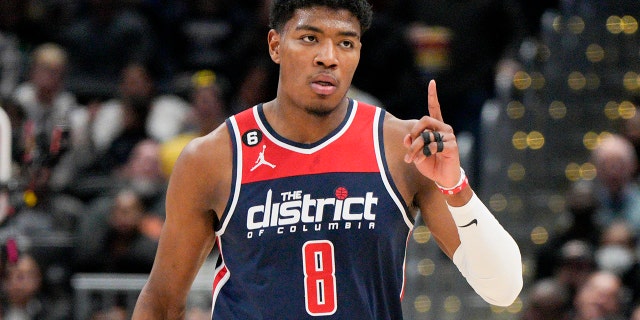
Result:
[426,150]
[437,136]
[426,136]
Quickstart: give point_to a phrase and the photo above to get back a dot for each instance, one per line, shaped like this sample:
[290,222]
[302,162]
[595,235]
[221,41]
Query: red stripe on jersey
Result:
[218,277]
[348,153]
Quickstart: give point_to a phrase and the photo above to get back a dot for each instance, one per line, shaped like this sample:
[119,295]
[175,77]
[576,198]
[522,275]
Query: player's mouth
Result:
[324,84]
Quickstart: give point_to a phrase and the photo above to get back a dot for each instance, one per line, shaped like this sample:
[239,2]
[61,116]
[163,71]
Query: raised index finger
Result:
[432,100]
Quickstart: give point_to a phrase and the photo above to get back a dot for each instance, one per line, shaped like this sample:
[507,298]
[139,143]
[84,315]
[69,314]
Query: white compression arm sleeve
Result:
[487,257]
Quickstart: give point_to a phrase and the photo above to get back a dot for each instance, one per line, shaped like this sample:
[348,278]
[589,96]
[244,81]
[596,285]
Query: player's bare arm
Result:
[415,173]
[418,191]
[465,229]
[198,188]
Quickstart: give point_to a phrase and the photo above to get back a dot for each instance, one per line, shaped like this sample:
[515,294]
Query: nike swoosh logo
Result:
[474,221]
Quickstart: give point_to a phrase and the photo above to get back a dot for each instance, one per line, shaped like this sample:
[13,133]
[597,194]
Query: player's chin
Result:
[320,110]
[324,105]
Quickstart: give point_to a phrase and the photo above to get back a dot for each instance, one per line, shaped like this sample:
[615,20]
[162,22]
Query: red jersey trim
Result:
[267,156]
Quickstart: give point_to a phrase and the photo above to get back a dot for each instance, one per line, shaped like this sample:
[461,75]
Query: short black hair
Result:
[283,10]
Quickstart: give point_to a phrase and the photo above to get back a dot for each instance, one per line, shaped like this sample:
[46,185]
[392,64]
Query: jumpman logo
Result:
[260,161]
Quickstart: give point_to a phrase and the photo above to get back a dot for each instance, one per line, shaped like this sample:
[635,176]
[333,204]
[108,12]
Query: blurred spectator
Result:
[114,242]
[141,178]
[580,224]
[45,137]
[143,174]
[142,170]
[208,107]
[24,297]
[42,96]
[600,297]
[168,111]
[208,111]
[135,111]
[618,253]
[100,172]
[547,300]
[164,120]
[617,250]
[575,265]
[616,161]
[21,287]
[104,37]
[51,118]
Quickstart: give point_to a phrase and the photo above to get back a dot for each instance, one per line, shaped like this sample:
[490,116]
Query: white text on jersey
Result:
[297,207]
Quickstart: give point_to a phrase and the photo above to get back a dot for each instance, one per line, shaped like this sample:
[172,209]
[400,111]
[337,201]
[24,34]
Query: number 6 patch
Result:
[319,277]
[252,137]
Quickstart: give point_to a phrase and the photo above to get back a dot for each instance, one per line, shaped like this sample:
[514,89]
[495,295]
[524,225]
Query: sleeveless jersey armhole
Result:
[236,176]
[384,168]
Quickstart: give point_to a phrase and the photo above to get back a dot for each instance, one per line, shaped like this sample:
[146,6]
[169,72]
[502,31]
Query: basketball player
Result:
[311,197]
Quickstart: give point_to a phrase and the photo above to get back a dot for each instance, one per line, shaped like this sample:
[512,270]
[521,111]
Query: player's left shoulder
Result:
[395,127]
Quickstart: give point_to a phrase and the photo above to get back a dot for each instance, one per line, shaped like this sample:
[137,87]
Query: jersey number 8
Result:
[319,277]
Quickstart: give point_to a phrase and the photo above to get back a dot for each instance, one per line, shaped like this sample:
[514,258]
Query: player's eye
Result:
[347,44]
[309,38]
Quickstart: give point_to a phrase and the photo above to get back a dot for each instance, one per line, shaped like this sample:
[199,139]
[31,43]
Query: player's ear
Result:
[274,45]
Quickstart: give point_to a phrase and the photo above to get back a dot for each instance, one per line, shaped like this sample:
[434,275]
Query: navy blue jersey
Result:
[311,230]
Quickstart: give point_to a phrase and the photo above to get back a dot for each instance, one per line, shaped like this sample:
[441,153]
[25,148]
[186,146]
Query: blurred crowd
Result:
[103,95]
[590,266]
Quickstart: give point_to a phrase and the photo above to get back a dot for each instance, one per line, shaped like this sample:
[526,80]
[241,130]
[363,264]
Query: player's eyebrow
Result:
[318,30]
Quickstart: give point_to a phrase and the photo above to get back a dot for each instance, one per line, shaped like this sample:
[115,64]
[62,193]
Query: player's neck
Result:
[301,125]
